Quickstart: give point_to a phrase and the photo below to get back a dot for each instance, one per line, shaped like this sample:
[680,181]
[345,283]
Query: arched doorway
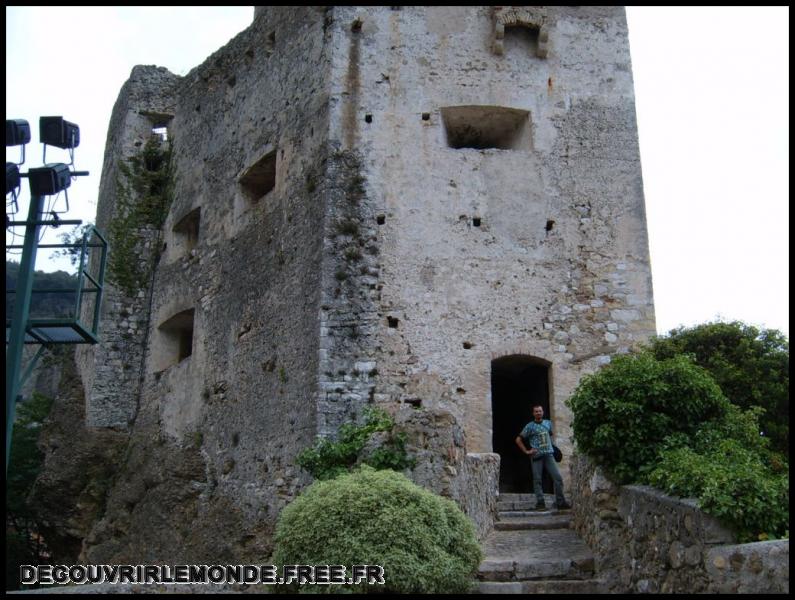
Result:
[517,383]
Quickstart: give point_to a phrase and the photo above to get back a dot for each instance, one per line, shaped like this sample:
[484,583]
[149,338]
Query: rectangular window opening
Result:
[482,127]
[259,178]
[175,340]
[186,232]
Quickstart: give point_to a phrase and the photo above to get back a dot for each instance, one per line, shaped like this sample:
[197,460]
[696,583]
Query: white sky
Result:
[712,98]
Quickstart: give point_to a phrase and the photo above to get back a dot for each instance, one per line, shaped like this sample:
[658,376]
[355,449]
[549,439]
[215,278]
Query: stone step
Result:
[521,569]
[555,586]
[524,505]
[535,554]
[528,520]
[520,497]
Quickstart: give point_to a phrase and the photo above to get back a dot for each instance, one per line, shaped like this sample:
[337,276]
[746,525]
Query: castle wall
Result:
[111,371]
[331,245]
[227,398]
[557,266]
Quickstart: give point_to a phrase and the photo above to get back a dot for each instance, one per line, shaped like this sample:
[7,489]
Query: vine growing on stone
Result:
[144,194]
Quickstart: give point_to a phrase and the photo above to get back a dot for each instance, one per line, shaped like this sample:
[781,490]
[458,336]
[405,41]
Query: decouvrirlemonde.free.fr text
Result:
[217,574]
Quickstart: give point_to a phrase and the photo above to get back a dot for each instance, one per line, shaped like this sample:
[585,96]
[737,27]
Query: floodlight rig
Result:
[48,180]
[17,134]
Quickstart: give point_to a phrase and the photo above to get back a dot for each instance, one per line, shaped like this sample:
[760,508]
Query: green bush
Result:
[24,543]
[750,365]
[623,412]
[423,541]
[732,483]
[330,458]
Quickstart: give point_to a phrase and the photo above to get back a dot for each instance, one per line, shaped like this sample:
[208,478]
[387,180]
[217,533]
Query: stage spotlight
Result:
[55,131]
[17,132]
[49,179]
[12,177]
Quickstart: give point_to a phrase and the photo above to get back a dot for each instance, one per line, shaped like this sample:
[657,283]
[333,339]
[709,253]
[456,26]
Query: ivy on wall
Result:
[145,190]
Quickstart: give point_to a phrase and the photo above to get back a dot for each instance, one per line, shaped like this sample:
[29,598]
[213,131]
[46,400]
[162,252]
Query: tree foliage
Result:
[330,458]
[623,412]
[423,541]
[750,365]
[56,304]
[661,416]
[726,467]
[24,544]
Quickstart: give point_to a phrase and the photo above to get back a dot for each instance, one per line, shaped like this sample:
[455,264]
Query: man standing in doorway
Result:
[538,434]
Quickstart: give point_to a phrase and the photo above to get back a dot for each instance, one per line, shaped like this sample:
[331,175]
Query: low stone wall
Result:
[438,443]
[645,541]
[477,490]
[761,567]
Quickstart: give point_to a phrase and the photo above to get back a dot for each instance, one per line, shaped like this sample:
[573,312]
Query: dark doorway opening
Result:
[517,383]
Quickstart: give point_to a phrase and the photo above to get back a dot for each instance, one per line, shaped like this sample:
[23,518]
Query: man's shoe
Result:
[562,505]
[540,506]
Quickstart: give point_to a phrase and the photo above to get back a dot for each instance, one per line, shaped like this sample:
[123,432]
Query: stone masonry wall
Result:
[539,250]
[210,462]
[384,265]
[647,542]
[111,371]
[438,443]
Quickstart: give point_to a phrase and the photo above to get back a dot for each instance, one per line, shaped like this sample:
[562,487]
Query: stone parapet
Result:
[761,567]
[648,542]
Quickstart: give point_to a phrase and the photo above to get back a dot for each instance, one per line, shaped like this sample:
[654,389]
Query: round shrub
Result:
[423,541]
[624,411]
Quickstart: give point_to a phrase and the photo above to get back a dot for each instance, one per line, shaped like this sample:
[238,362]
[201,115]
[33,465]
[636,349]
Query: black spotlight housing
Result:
[17,132]
[56,131]
[12,177]
[49,179]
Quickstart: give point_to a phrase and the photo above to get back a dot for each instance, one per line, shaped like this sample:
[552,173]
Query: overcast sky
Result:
[712,96]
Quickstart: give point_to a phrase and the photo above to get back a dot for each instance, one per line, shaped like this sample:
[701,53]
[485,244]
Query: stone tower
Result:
[437,210]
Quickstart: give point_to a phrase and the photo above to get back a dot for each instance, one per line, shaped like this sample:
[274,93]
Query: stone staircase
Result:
[535,552]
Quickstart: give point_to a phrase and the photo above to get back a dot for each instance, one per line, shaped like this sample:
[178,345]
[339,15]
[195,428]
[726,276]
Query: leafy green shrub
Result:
[751,367]
[24,543]
[423,541]
[330,458]
[732,483]
[623,412]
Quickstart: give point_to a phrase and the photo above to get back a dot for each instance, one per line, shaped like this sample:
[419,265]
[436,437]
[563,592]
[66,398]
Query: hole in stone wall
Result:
[380,219]
[186,231]
[368,118]
[426,116]
[176,340]
[231,81]
[161,132]
[260,178]
[521,39]
[414,402]
[356,26]
[393,322]
[476,221]
[482,127]
[467,345]
[550,224]
[270,43]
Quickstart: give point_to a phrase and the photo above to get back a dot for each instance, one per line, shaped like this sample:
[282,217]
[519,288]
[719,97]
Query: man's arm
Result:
[523,448]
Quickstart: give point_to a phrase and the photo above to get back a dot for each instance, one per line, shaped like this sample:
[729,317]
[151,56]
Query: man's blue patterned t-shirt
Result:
[539,436]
